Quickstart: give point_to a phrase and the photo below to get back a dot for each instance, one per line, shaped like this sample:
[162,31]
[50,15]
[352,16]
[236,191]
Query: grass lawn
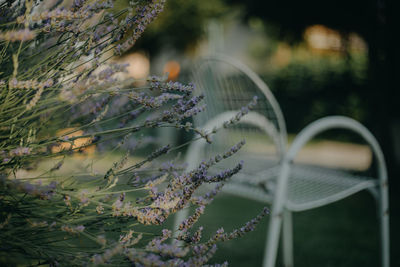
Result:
[344,233]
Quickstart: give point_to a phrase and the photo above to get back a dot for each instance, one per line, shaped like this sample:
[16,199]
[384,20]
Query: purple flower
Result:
[80,228]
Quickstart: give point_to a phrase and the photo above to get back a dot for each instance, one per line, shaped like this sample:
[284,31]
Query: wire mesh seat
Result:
[311,186]
[270,174]
[308,186]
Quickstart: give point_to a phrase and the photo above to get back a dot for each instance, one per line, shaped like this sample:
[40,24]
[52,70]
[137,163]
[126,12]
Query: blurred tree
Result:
[308,89]
[181,25]
[375,21]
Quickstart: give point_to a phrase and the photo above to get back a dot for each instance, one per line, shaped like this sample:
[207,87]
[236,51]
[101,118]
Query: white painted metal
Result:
[324,185]
[334,186]
[287,238]
[193,157]
[212,70]
[274,227]
[252,118]
[215,64]
[282,199]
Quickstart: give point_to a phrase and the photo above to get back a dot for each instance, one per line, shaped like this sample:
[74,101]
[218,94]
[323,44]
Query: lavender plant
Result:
[56,74]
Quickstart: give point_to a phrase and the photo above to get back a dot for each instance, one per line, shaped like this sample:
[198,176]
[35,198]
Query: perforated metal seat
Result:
[308,186]
[311,187]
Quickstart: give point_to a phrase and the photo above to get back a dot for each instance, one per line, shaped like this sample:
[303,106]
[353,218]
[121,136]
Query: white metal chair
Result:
[274,178]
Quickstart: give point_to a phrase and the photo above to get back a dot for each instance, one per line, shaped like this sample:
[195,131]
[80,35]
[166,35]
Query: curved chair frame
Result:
[252,118]
[193,155]
[281,209]
[263,88]
[278,136]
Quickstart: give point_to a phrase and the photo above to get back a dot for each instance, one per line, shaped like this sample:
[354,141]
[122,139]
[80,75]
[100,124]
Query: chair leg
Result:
[272,239]
[384,225]
[287,238]
[274,227]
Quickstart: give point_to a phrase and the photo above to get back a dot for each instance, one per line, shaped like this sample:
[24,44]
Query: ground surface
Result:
[344,233]
[341,234]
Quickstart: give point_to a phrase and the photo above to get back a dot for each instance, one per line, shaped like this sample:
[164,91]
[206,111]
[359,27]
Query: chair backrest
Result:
[229,85]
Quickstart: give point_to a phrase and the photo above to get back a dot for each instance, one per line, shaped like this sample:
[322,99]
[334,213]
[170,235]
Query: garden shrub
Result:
[62,100]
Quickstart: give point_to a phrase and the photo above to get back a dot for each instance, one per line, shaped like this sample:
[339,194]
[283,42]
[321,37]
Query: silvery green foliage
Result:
[59,97]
